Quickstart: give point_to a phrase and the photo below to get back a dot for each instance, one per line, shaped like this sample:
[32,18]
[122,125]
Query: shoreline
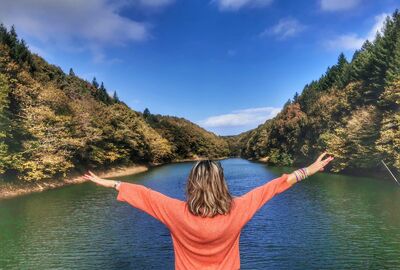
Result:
[372,173]
[8,191]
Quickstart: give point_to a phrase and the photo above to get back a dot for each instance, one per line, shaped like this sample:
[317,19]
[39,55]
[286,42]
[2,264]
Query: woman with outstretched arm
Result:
[205,228]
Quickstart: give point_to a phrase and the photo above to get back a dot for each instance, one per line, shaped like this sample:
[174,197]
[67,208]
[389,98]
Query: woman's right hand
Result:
[319,164]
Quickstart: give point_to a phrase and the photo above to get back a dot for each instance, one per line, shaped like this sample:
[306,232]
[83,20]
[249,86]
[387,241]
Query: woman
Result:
[205,229]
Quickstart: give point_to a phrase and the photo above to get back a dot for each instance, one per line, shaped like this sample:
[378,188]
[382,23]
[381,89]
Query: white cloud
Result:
[233,5]
[346,42]
[354,41]
[89,25]
[285,28]
[251,116]
[335,5]
[155,3]
[378,25]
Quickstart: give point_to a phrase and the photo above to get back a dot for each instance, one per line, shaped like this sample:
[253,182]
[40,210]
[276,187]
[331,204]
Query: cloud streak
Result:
[285,28]
[234,5]
[352,41]
[239,120]
[251,116]
[337,5]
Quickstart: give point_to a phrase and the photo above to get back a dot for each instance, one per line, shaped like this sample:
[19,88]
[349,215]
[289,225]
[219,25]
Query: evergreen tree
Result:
[103,94]
[343,75]
[102,88]
[115,97]
[360,65]
[295,97]
[288,102]
[4,123]
[95,83]
[3,33]
[393,69]
[71,72]
[381,57]
[146,113]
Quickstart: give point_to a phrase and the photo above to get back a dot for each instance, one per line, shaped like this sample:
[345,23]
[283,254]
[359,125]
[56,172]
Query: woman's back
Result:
[202,242]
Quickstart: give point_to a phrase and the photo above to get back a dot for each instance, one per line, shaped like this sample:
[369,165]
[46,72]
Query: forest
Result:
[352,111]
[52,122]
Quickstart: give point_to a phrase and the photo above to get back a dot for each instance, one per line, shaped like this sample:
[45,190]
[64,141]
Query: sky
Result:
[227,65]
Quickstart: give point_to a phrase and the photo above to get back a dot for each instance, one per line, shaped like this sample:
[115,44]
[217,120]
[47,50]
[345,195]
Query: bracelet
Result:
[117,184]
[297,176]
[301,174]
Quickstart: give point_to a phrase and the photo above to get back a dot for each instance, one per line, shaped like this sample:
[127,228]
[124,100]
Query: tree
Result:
[4,123]
[95,83]
[71,72]
[343,74]
[393,70]
[146,113]
[361,63]
[287,103]
[295,97]
[103,95]
[115,97]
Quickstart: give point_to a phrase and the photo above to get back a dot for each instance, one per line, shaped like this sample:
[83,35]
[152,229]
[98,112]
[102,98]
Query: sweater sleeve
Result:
[253,200]
[148,200]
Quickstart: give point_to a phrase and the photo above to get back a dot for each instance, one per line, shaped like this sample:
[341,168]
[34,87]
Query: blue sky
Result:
[227,65]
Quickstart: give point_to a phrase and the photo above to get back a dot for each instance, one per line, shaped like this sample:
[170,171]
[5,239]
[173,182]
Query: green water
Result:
[327,222]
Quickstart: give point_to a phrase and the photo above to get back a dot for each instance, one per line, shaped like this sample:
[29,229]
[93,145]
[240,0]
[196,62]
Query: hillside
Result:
[53,123]
[188,139]
[352,111]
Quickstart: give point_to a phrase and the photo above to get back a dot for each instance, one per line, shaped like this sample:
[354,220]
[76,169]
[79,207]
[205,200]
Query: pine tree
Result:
[287,103]
[71,72]
[3,33]
[381,58]
[115,97]
[360,65]
[393,69]
[343,75]
[295,97]
[103,95]
[95,83]
[102,88]
[4,123]
[146,113]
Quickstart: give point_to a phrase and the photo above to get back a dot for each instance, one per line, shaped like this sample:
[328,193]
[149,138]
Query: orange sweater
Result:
[202,243]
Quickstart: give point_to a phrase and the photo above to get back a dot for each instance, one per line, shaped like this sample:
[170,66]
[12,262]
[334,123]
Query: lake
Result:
[329,221]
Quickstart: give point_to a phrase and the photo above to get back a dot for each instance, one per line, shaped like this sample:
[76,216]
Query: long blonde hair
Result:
[206,190]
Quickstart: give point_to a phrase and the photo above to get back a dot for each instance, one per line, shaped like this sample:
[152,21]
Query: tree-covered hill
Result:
[52,122]
[188,139]
[352,111]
